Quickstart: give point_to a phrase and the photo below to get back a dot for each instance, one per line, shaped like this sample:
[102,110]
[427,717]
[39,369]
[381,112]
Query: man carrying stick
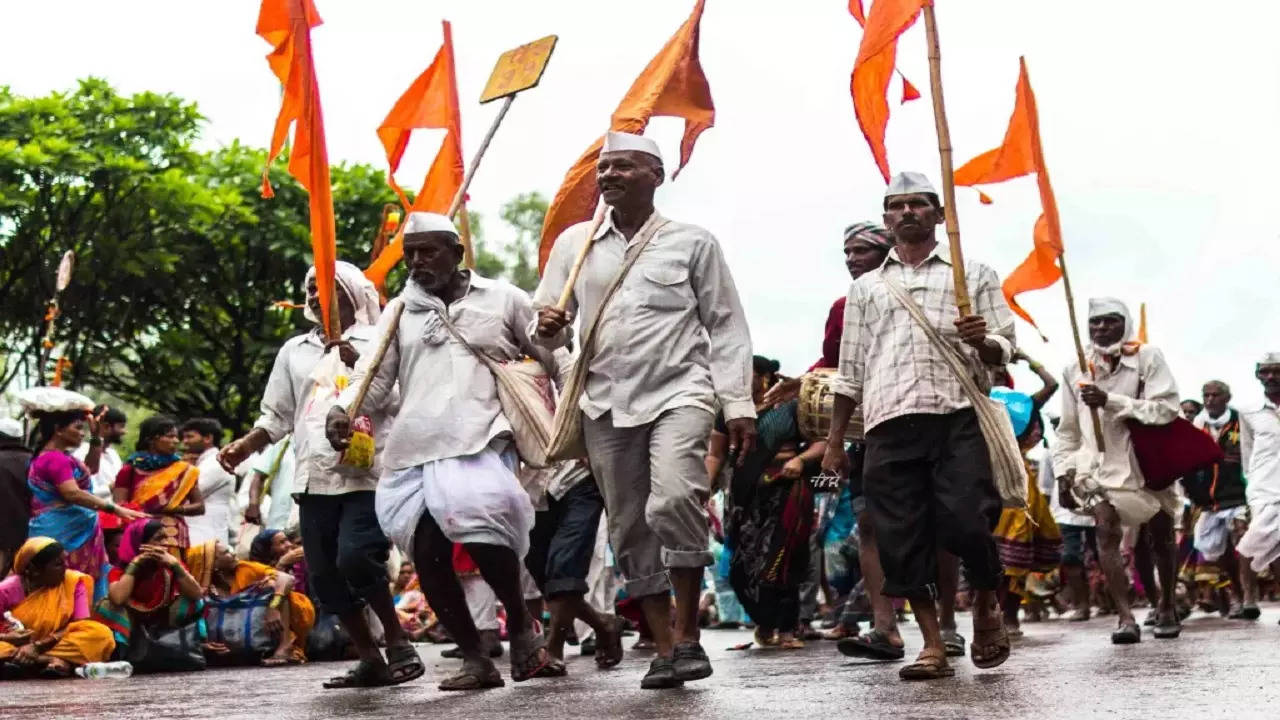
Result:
[927,477]
[670,347]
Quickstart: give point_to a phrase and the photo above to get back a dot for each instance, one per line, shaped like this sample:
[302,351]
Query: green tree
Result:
[525,213]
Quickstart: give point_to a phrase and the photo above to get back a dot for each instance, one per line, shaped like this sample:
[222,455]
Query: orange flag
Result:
[286,24]
[874,68]
[909,91]
[672,85]
[430,102]
[1020,154]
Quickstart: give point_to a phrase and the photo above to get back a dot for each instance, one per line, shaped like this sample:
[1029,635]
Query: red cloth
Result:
[831,336]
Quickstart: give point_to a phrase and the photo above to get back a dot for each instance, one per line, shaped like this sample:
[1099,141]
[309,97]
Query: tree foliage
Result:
[179,259]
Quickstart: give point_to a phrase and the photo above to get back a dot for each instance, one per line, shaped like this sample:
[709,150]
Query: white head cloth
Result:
[424,222]
[1271,358]
[10,428]
[618,141]
[358,288]
[909,183]
[1111,306]
[46,398]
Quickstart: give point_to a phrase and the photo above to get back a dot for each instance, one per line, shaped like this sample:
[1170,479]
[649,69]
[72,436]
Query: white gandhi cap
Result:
[425,222]
[909,183]
[618,141]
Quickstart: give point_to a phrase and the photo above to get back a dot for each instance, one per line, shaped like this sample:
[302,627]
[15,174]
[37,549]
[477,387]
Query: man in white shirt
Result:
[200,437]
[1260,452]
[927,476]
[271,480]
[112,425]
[1130,382]
[449,457]
[672,347]
[345,550]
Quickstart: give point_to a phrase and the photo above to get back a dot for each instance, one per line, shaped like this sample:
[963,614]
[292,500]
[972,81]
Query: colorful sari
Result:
[159,484]
[1029,539]
[75,528]
[768,524]
[60,609]
[155,601]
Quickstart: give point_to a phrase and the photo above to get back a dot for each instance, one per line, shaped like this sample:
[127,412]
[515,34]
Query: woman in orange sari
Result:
[52,603]
[157,480]
[290,614]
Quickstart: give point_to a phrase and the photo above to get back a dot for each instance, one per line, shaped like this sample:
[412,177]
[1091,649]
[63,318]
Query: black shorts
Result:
[562,540]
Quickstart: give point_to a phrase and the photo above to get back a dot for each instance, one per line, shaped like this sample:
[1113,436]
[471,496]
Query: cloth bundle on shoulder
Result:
[1007,468]
[1166,453]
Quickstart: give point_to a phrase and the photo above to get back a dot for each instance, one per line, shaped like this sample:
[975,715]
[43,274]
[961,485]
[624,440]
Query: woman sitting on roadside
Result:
[272,547]
[290,615]
[156,479]
[52,603]
[153,588]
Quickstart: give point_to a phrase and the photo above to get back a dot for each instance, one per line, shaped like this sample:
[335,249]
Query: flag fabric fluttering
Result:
[286,25]
[909,91]
[672,85]
[1021,154]
[430,102]
[874,67]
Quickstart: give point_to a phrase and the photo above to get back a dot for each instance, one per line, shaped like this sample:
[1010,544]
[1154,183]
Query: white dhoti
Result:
[474,499]
[1213,531]
[1261,542]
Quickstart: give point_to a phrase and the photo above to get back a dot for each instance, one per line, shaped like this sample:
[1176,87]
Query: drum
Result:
[814,409]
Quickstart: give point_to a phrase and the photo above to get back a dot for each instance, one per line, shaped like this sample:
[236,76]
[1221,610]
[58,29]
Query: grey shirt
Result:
[674,335]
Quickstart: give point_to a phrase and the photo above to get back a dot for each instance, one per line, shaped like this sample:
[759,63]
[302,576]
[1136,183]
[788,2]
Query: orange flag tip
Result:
[909,91]
[984,198]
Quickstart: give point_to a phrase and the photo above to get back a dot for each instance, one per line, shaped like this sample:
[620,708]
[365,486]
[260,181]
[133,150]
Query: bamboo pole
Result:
[963,303]
[464,234]
[1075,335]
[596,221]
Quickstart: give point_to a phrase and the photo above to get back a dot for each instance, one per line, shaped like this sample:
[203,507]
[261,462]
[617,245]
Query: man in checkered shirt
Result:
[927,477]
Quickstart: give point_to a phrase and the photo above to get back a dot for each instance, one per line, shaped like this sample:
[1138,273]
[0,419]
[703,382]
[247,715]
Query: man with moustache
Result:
[671,349]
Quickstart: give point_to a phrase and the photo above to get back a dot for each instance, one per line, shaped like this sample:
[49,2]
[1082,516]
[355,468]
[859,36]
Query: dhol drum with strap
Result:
[814,408]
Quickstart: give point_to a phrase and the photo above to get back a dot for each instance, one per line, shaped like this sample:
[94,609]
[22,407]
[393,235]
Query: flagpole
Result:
[963,303]
[596,221]
[1075,335]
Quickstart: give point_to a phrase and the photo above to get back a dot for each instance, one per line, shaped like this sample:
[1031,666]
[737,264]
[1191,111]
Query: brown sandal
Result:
[473,678]
[989,654]
[535,662]
[931,664]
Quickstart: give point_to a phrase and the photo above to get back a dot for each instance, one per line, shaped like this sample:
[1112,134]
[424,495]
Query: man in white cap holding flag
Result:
[345,550]
[927,476]
[1130,381]
[449,460]
[1260,453]
[671,349]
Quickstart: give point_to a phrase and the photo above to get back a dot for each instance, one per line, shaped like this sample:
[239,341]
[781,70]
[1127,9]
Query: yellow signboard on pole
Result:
[519,69]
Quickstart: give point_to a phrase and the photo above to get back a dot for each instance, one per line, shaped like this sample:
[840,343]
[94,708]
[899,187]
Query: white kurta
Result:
[217,487]
[1116,470]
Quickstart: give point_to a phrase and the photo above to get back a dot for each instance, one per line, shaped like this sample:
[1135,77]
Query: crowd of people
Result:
[691,483]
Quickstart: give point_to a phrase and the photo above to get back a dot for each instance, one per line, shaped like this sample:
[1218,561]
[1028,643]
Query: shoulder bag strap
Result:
[633,253]
[955,360]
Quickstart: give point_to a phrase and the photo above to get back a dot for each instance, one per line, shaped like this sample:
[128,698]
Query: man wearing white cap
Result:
[670,350]
[1130,381]
[345,550]
[1260,452]
[449,458]
[926,477]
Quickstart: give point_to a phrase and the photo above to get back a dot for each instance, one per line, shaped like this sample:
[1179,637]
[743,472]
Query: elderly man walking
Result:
[927,476]
[671,347]
[1130,382]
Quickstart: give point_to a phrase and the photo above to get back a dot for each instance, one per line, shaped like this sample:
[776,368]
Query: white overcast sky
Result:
[1159,122]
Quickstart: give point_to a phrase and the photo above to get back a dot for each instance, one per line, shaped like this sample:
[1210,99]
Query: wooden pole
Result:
[375,361]
[596,221]
[1075,335]
[461,195]
[464,234]
[963,304]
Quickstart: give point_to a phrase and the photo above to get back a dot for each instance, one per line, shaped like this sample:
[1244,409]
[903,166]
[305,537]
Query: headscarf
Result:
[1271,358]
[358,288]
[871,233]
[1111,306]
[200,562]
[29,550]
[135,534]
[260,548]
[1019,405]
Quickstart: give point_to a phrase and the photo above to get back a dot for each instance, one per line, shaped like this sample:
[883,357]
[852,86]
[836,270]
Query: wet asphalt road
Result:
[1217,669]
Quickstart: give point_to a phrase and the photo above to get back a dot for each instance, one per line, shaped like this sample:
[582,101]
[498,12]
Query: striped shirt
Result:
[886,360]
[674,335]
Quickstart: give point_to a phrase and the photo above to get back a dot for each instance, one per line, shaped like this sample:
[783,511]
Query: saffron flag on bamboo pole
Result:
[673,85]
[286,25]
[909,91]
[1021,154]
[430,102]
[874,68]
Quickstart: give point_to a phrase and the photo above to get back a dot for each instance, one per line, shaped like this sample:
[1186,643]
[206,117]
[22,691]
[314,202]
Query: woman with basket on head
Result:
[770,513]
[63,506]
